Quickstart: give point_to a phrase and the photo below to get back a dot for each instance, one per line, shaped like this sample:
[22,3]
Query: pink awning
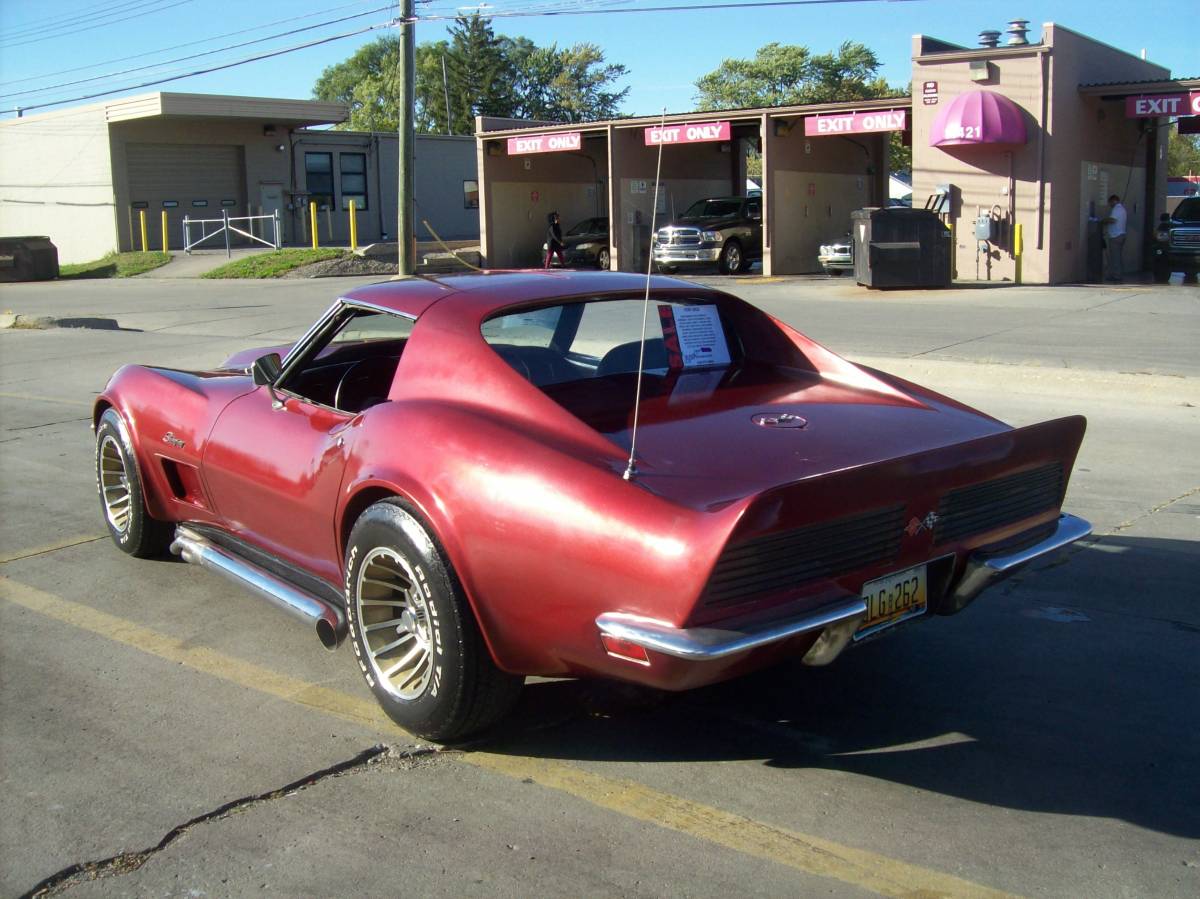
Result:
[978,117]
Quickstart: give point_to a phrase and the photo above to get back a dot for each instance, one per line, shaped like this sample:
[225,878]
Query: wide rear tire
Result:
[414,634]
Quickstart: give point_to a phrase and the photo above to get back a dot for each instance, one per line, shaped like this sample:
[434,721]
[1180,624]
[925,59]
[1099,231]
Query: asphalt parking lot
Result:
[163,735]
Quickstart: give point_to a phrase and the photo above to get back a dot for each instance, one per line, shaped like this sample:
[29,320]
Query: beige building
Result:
[84,176]
[1080,149]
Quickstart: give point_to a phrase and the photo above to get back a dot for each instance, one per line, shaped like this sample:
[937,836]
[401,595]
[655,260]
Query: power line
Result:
[218,68]
[83,15]
[512,14]
[74,29]
[215,37]
[756,4]
[167,62]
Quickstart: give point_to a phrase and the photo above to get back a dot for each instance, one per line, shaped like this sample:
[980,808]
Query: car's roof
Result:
[497,290]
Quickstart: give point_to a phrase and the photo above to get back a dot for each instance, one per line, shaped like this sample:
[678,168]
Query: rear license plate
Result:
[893,598]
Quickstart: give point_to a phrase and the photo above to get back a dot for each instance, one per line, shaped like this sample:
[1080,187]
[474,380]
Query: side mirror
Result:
[266,369]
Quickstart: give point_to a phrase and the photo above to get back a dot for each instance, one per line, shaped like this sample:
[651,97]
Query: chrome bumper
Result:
[837,622]
[686,254]
[985,569]
[705,644]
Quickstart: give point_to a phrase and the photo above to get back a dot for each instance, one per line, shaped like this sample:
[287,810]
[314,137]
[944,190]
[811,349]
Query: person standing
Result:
[1114,239]
[554,240]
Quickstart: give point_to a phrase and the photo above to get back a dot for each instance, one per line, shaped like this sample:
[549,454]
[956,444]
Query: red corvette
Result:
[442,469]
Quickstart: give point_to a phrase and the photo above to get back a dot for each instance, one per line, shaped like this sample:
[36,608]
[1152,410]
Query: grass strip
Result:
[272,265]
[115,265]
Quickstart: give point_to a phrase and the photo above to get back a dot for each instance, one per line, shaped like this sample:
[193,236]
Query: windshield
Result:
[587,226]
[708,209]
[1188,210]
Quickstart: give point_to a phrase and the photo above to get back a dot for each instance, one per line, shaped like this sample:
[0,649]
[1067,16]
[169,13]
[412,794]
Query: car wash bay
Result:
[819,164]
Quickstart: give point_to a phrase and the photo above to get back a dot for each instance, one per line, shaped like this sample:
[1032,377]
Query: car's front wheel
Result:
[122,496]
[414,634]
[603,260]
[731,260]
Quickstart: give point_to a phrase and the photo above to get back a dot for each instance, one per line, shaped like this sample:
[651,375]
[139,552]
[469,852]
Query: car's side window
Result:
[350,366]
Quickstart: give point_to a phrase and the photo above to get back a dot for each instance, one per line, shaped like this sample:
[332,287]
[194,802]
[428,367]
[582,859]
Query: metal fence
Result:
[228,228]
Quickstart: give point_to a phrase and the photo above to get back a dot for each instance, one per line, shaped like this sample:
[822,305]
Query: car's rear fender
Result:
[542,537]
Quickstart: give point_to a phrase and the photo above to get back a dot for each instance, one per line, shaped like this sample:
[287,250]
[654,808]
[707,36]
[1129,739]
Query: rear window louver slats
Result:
[993,504]
[791,558]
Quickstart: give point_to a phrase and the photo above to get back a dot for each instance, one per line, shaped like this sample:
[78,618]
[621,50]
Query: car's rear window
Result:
[602,338]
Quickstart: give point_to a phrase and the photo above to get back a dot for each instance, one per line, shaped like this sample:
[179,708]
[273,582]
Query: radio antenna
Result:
[631,468]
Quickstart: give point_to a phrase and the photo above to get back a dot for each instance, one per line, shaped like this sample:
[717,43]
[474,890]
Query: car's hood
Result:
[706,437]
[704,221]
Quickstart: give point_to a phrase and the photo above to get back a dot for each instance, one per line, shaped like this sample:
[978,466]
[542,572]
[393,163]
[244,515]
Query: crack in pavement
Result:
[127,862]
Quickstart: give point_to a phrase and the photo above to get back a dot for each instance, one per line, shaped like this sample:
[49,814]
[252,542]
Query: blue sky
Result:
[664,51]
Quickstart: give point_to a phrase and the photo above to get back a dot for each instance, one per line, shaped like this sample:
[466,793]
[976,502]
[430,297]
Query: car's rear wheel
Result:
[731,260]
[602,260]
[122,496]
[414,634]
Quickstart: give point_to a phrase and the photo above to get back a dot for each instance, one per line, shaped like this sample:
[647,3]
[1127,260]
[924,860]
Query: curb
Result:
[18,321]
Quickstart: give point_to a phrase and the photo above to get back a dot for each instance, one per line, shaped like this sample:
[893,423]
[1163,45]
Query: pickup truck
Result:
[724,230]
[1177,243]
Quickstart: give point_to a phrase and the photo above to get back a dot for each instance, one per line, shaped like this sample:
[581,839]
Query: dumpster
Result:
[28,259]
[897,246]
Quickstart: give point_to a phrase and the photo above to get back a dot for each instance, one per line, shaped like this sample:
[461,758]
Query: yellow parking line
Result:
[49,547]
[44,399]
[802,852]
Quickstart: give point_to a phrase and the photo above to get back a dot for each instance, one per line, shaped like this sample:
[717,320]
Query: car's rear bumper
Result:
[834,624]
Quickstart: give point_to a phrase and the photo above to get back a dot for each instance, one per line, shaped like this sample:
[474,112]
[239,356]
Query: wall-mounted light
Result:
[281,147]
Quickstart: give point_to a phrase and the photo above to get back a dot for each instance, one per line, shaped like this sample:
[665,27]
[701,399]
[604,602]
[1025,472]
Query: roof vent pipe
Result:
[1017,31]
[989,39]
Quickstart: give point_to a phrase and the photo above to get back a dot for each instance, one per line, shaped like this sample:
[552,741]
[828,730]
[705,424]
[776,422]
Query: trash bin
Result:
[900,247]
[28,259]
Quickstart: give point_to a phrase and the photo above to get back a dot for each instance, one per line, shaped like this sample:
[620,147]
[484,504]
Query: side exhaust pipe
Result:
[329,621]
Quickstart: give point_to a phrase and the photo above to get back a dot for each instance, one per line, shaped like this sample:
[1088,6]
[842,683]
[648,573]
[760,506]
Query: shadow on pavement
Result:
[1070,692]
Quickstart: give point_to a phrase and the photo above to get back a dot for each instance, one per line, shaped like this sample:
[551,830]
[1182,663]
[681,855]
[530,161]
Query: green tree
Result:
[367,83]
[788,74]
[1183,153]
[474,73]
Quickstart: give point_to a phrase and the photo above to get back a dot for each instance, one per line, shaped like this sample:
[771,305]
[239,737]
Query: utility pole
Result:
[405,232]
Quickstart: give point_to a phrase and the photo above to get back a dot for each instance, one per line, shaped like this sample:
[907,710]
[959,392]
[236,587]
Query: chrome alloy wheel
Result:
[396,621]
[114,485]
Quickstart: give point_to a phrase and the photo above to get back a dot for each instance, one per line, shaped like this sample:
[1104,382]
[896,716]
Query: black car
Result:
[587,244]
[1177,244]
[724,230]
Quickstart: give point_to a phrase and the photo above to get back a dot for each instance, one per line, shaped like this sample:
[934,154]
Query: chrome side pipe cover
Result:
[329,621]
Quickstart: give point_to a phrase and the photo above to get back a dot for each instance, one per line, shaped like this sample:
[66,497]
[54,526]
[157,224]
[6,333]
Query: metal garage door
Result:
[197,180]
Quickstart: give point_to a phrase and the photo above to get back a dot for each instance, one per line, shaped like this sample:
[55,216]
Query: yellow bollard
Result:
[1018,250]
[164,223]
[312,219]
[353,228]
[145,241]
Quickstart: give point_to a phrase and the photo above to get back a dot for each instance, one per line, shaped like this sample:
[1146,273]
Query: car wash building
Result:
[1016,146]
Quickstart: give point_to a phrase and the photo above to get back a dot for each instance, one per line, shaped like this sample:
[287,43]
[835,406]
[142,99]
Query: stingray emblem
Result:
[779,420]
[171,440]
[916,525]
